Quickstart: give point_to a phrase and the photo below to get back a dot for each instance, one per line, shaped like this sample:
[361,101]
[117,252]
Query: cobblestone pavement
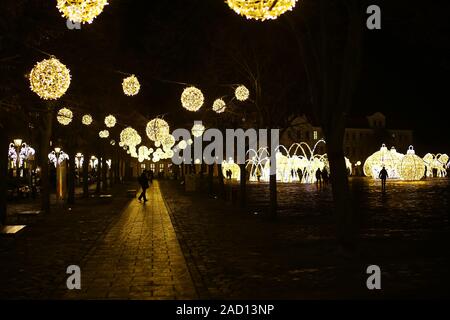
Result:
[33,265]
[237,254]
[139,257]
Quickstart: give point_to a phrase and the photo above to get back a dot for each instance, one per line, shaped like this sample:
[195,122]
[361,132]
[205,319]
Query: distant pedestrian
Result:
[325,176]
[318,178]
[383,176]
[143,181]
[150,176]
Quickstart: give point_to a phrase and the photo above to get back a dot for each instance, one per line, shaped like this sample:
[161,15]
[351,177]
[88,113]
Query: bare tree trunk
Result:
[71,178]
[86,176]
[104,175]
[99,176]
[3,172]
[243,186]
[46,133]
[345,215]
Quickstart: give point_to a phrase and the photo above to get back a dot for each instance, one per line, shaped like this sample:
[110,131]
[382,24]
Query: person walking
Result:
[318,178]
[383,176]
[143,181]
[325,176]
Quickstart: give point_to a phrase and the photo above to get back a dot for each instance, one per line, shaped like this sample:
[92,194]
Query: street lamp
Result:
[17,143]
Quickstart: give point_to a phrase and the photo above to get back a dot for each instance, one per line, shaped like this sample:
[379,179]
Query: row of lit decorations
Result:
[407,166]
[85,11]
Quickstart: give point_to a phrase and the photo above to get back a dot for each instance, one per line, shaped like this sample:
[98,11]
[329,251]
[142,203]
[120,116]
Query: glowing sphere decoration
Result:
[157,129]
[261,9]
[130,137]
[64,116]
[182,144]
[131,86]
[219,106]
[384,157]
[103,134]
[412,167]
[192,99]
[113,142]
[110,121]
[168,141]
[86,120]
[81,11]
[49,79]
[242,93]
[197,129]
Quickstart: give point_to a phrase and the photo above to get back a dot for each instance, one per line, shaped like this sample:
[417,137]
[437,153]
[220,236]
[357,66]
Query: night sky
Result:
[404,74]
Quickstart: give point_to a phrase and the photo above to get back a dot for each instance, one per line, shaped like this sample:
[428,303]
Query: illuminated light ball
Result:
[197,129]
[190,141]
[412,167]
[86,120]
[113,142]
[182,144]
[110,121]
[219,106]
[131,86]
[192,99]
[169,154]
[64,116]
[242,93]
[197,161]
[261,9]
[130,137]
[49,79]
[81,11]
[157,129]
[157,144]
[384,157]
[103,134]
[168,141]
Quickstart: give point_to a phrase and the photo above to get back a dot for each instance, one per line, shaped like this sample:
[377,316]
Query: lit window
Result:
[315,135]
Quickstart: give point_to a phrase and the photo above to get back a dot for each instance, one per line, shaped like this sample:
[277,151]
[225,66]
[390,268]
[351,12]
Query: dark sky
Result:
[404,75]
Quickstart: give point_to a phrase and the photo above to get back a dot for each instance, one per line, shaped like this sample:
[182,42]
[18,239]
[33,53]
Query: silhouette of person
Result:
[318,178]
[325,176]
[150,176]
[143,181]
[383,176]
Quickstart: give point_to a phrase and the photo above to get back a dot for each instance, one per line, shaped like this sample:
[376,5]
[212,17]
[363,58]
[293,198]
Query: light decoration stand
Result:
[19,152]
[436,164]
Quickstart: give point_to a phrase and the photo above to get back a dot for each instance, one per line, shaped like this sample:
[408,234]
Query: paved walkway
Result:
[139,257]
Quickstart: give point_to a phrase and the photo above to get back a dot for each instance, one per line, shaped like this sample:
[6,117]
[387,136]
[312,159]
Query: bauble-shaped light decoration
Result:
[242,93]
[192,99]
[412,167]
[49,79]
[168,141]
[261,9]
[219,106]
[86,120]
[197,129]
[64,116]
[182,144]
[131,85]
[81,11]
[110,121]
[130,137]
[383,157]
[157,129]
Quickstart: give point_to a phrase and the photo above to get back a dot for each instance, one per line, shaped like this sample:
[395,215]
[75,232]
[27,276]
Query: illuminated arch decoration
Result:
[26,153]
[157,129]
[81,11]
[412,167]
[436,163]
[234,167]
[131,85]
[49,79]
[192,99]
[261,9]
[390,159]
[64,116]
